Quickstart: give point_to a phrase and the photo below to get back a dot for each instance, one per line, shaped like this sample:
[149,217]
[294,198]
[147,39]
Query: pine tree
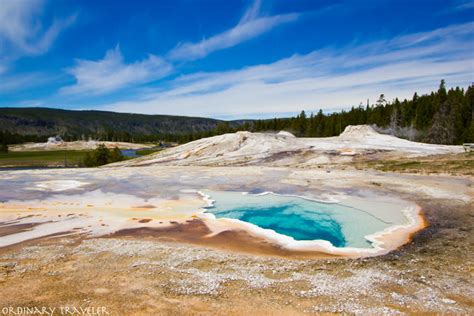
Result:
[222,128]
[468,115]
[299,124]
[396,117]
[381,101]
[442,130]
[3,148]
[442,95]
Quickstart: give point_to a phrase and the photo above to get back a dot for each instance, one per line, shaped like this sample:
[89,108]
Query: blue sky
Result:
[229,59]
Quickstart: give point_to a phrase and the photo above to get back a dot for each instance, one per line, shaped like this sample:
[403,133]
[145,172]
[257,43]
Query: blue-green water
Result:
[299,218]
[290,220]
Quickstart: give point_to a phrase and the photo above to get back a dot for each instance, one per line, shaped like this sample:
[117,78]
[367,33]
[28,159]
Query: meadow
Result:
[37,159]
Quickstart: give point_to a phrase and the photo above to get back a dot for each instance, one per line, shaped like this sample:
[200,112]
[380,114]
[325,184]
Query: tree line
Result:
[442,117]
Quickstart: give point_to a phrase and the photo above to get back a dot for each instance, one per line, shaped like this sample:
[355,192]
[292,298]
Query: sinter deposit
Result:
[283,149]
[56,143]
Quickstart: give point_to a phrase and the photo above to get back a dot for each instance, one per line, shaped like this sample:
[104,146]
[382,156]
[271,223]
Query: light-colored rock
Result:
[56,143]
[356,131]
[283,149]
[285,134]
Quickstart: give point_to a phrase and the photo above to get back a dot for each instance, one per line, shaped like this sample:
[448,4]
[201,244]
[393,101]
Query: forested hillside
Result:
[37,124]
[442,117]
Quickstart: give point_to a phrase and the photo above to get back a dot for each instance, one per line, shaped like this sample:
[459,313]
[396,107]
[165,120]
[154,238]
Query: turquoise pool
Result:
[301,219]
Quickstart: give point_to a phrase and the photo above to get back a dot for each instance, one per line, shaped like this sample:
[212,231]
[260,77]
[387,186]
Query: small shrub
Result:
[102,156]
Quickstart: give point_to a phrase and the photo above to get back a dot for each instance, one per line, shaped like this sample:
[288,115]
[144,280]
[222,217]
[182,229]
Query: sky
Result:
[230,59]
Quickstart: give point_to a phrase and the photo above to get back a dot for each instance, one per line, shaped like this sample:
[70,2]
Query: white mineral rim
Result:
[382,242]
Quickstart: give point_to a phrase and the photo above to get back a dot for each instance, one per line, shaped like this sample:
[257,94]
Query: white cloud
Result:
[250,26]
[325,79]
[22,33]
[112,73]
[21,30]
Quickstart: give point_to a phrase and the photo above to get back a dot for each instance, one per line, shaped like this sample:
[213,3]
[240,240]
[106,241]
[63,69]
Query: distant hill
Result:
[44,122]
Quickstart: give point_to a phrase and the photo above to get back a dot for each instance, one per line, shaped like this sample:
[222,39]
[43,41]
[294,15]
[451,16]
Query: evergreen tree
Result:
[469,135]
[3,148]
[442,131]
[223,128]
[442,95]
[468,115]
[381,101]
[396,117]
[299,124]
[102,156]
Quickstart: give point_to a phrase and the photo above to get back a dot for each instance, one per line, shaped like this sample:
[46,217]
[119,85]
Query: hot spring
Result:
[345,224]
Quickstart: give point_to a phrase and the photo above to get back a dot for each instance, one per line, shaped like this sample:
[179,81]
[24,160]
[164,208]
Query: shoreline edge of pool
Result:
[383,242]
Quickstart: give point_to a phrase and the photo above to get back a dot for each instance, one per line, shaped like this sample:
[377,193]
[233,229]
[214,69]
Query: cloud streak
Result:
[22,33]
[250,26]
[112,73]
[326,78]
[465,4]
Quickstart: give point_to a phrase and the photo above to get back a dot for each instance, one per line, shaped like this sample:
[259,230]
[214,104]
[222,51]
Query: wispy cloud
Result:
[22,34]
[19,81]
[25,81]
[112,73]
[465,4]
[251,25]
[456,6]
[327,78]
[3,69]
[21,30]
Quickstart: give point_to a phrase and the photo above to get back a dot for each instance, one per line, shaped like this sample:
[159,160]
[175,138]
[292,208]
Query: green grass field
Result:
[60,158]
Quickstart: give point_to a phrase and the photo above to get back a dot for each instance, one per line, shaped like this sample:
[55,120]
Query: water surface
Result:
[300,218]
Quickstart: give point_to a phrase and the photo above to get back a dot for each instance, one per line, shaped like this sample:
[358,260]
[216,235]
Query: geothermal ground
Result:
[283,149]
[76,145]
[129,237]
